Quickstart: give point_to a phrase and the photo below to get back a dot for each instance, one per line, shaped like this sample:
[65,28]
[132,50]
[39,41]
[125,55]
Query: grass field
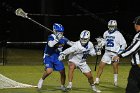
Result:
[25,66]
[31,75]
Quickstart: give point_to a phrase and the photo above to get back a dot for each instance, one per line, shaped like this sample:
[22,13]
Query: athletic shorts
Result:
[107,57]
[82,66]
[53,62]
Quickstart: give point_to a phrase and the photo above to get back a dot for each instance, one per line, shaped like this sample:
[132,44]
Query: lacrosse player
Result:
[115,44]
[54,46]
[78,54]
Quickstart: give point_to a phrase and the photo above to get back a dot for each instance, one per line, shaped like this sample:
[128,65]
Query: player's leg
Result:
[87,72]
[91,82]
[46,73]
[62,78]
[115,68]
[99,72]
[106,59]
[70,74]
[59,66]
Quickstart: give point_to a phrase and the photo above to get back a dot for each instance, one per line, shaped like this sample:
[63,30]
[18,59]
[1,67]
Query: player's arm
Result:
[66,52]
[131,49]
[68,42]
[95,51]
[69,50]
[123,44]
[52,40]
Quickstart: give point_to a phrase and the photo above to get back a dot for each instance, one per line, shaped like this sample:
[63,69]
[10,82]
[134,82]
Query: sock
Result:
[93,86]
[62,86]
[97,79]
[115,77]
[70,83]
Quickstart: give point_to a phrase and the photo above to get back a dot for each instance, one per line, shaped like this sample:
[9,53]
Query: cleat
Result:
[96,82]
[63,88]
[96,90]
[69,87]
[39,85]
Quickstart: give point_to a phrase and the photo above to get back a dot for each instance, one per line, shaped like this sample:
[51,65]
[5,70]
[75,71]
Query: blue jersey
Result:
[52,53]
[57,47]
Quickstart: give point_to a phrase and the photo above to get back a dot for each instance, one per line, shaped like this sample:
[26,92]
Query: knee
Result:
[63,73]
[71,66]
[90,77]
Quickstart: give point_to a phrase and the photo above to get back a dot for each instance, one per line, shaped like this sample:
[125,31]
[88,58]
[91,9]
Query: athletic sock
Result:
[97,79]
[115,77]
[70,83]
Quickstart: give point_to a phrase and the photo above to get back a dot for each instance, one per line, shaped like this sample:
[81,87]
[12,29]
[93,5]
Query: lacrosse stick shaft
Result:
[20,12]
[40,24]
[96,63]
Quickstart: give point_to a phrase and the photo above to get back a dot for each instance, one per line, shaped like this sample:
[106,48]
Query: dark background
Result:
[74,15]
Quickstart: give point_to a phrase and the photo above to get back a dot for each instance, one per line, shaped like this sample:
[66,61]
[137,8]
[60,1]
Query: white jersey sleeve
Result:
[122,43]
[51,43]
[92,50]
[71,49]
[71,43]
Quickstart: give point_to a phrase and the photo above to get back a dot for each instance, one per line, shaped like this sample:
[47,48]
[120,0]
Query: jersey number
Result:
[85,54]
[110,43]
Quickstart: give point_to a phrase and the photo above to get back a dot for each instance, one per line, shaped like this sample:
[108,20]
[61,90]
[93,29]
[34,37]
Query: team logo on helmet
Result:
[84,37]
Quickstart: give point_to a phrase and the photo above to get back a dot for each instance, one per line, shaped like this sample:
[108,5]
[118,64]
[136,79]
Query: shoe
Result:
[39,85]
[69,86]
[96,82]
[63,88]
[96,90]
[115,83]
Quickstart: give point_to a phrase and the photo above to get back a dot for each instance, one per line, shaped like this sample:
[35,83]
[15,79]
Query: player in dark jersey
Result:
[54,46]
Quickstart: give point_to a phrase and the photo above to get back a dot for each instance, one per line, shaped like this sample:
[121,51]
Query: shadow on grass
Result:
[55,89]
[108,86]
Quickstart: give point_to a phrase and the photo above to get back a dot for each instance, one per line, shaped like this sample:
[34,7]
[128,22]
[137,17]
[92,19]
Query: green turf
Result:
[31,75]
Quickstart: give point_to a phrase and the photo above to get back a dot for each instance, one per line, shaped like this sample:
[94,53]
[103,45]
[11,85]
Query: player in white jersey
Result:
[115,44]
[78,54]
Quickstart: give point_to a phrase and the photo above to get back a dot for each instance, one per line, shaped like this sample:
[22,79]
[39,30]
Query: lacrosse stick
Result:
[20,12]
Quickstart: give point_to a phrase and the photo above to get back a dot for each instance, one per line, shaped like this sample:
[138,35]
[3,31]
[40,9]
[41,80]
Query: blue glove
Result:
[63,41]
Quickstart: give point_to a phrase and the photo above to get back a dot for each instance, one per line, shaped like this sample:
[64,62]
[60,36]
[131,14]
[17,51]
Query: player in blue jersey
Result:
[53,47]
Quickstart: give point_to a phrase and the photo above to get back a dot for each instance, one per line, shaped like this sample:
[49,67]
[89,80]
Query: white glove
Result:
[100,42]
[98,52]
[59,36]
[61,56]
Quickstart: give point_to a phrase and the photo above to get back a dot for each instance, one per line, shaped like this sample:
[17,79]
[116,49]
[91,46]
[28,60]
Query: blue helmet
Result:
[58,27]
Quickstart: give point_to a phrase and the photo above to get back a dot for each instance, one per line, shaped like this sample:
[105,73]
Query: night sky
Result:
[74,15]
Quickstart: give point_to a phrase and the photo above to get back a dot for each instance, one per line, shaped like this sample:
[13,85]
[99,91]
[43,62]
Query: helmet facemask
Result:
[112,25]
[58,30]
[84,37]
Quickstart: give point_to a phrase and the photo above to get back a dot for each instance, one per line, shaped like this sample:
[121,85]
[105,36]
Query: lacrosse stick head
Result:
[20,12]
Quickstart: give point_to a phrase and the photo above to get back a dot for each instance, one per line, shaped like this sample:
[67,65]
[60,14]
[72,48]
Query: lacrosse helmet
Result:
[112,25]
[84,37]
[58,27]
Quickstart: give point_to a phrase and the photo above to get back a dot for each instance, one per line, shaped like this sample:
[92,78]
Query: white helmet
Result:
[84,37]
[112,25]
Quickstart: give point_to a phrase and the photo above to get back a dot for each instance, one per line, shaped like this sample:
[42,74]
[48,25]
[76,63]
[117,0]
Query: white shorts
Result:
[107,57]
[82,66]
